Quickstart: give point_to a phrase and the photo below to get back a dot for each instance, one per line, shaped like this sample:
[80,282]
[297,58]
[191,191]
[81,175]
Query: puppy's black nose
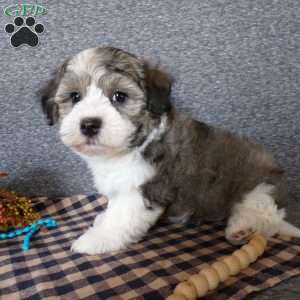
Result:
[90,126]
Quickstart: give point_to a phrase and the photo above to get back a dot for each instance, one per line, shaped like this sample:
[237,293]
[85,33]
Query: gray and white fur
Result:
[151,161]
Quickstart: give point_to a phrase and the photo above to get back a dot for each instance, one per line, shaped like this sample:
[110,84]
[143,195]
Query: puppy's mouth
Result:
[91,148]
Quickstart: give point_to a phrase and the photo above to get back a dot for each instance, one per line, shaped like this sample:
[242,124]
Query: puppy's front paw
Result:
[98,241]
[86,243]
[99,219]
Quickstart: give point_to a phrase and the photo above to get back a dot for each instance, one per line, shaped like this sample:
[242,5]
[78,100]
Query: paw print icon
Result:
[24,32]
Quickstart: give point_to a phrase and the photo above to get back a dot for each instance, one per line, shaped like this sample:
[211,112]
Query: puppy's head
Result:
[106,101]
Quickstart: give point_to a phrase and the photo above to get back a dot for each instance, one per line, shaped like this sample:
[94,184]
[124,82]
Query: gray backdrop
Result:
[236,65]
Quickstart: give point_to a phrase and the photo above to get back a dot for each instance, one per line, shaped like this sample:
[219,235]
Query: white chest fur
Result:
[121,174]
[126,218]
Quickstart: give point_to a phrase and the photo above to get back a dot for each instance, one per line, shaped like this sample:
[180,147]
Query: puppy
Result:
[151,161]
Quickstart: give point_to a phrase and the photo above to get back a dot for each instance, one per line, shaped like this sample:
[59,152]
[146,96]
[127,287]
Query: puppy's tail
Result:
[289,229]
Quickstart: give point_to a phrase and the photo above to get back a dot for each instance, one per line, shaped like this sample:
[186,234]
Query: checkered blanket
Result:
[147,270]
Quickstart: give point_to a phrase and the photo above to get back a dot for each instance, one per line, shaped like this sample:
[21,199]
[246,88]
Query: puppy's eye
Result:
[75,97]
[119,97]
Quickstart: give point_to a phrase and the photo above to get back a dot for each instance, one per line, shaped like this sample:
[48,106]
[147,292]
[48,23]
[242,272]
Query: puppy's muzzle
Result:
[90,126]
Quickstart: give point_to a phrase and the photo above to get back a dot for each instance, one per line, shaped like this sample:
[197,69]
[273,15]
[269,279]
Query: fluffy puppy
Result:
[150,161]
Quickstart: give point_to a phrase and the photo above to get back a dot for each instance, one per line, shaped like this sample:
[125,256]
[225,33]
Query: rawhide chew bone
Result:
[233,265]
[209,278]
[222,270]
[243,257]
[186,289]
[212,277]
[250,249]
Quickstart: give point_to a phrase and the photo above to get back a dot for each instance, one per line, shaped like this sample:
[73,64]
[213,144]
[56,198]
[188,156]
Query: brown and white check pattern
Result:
[147,270]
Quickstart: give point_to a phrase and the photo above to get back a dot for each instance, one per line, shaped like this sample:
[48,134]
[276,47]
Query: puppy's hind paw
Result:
[240,236]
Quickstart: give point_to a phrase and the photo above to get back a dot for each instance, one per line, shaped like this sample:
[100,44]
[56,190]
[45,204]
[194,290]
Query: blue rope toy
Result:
[29,230]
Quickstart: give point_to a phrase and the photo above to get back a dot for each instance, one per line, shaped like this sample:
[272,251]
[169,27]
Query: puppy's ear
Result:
[50,108]
[158,89]
[47,95]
